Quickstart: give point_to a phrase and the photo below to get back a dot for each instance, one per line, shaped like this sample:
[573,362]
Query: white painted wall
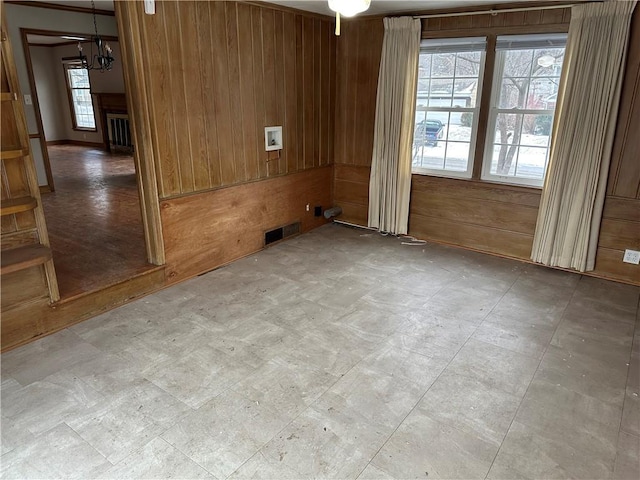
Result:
[106,82]
[20,16]
[47,73]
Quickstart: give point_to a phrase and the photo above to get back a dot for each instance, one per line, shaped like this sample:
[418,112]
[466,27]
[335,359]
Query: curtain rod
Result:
[496,11]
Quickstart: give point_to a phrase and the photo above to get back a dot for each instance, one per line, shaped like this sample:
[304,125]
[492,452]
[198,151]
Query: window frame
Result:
[468,173]
[494,110]
[72,107]
[485,95]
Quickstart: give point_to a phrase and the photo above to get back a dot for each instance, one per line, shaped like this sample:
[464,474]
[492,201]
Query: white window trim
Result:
[498,71]
[75,65]
[467,174]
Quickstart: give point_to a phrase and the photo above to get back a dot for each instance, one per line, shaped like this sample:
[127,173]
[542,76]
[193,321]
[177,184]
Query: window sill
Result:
[479,182]
[83,129]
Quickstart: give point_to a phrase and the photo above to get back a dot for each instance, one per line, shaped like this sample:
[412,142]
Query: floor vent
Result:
[280,233]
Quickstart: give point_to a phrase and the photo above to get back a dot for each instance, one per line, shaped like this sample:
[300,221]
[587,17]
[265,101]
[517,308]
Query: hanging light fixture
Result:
[102,60]
[347,8]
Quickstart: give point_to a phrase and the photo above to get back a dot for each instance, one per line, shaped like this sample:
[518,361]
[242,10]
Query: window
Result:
[523,101]
[524,92]
[79,90]
[448,99]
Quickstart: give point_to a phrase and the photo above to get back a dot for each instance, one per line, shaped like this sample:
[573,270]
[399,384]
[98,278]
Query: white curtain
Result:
[390,182]
[574,189]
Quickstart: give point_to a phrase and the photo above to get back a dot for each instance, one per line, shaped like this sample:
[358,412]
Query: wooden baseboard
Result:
[17,329]
[76,142]
[45,189]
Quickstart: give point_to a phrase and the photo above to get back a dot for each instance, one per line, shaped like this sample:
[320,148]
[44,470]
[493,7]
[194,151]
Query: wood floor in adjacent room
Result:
[93,218]
[338,354]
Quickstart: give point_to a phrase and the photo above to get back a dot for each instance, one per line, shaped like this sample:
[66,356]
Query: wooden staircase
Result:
[26,263]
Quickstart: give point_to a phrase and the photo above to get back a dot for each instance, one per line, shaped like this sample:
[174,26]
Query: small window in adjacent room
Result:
[523,102]
[448,99]
[79,90]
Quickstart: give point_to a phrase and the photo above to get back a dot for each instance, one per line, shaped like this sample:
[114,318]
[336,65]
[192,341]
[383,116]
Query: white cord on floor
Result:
[412,240]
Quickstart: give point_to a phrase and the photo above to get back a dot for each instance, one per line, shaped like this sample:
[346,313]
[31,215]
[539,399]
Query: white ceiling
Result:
[378,7]
[46,39]
[100,4]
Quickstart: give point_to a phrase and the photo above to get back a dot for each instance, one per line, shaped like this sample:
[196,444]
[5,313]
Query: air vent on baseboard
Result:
[280,233]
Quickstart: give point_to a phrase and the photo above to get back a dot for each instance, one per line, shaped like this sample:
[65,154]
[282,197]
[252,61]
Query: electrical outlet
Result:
[631,256]
[27,100]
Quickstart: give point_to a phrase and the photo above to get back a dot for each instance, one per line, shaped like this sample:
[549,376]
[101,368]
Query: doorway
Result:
[89,185]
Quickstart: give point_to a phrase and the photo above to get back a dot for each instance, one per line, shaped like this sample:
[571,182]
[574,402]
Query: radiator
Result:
[119,132]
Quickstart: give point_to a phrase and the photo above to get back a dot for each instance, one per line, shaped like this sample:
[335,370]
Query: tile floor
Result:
[338,354]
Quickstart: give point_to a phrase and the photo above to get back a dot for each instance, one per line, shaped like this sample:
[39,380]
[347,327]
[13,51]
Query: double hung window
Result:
[519,118]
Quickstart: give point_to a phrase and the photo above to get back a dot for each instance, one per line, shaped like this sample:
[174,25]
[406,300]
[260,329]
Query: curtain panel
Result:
[574,190]
[390,181]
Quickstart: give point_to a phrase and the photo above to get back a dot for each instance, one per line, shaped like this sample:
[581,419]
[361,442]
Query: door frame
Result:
[142,155]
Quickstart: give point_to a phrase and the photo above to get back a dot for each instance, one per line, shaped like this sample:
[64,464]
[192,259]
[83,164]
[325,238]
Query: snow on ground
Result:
[453,154]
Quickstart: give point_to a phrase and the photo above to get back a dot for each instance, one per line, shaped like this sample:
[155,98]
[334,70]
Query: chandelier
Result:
[102,60]
[347,8]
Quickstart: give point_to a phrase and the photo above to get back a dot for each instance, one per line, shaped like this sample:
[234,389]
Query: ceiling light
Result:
[347,8]
[102,60]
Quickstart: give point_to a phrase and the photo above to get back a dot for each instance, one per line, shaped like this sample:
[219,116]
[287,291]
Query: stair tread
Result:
[17,205]
[16,259]
[8,96]
[13,153]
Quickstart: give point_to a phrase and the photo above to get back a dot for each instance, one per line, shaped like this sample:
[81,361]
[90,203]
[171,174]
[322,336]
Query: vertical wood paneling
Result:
[246,31]
[451,218]
[198,161]
[220,73]
[317,107]
[358,60]
[300,92]
[237,159]
[290,128]
[268,57]
[280,74]
[208,79]
[323,92]
[163,135]
[222,100]
[179,110]
[308,86]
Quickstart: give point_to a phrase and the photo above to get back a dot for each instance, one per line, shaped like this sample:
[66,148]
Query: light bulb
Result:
[349,8]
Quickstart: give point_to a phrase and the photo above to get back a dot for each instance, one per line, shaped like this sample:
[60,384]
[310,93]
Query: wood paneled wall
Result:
[620,228]
[219,72]
[357,65]
[488,217]
[205,231]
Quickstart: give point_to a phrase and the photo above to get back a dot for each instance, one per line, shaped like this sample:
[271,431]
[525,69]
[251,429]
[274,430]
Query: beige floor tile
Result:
[584,424]
[373,473]
[469,404]
[527,455]
[495,367]
[128,420]
[425,448]
[157,459]
[225,432]
[526,336]
[627,465]
[326,444]
[60,453]
[312,357]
